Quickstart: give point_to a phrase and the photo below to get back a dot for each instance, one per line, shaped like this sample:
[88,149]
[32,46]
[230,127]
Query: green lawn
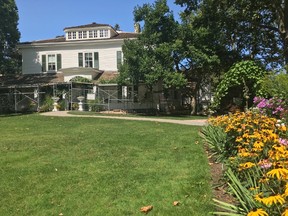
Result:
[88,166]
[176,117]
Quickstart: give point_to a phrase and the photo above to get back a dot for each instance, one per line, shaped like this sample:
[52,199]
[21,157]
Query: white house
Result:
[94,52]
[93,46]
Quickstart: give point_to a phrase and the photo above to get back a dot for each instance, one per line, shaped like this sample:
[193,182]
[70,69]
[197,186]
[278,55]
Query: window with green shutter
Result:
[96,60]
[80,59]
[44,63]
[59,62]
[119,59]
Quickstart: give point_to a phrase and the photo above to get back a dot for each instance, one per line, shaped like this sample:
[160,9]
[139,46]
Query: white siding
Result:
[69,53]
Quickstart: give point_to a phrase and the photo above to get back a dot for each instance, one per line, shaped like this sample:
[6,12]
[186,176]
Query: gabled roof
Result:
[121,35]
[92,25]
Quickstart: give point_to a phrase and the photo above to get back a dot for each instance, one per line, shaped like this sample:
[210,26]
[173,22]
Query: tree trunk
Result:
[193,105]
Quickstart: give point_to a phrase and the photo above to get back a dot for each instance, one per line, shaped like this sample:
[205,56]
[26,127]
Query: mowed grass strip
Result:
[88,166]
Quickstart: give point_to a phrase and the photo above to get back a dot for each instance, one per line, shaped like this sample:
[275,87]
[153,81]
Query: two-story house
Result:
[96,47]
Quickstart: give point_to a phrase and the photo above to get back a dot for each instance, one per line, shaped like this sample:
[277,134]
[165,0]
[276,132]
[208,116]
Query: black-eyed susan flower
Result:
[246,165]
[285,213]
[274,199]
[280,173]
[257,212]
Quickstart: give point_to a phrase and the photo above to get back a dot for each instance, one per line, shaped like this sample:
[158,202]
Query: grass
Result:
[176,117]
[83,166]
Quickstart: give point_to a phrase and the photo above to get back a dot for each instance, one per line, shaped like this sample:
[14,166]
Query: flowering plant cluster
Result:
[258,148]
[275,107]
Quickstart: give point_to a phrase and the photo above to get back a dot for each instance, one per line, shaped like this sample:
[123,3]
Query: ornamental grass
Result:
[257,145]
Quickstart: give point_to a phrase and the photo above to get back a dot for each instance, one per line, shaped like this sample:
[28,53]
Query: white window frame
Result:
[74,35]
[88,59]
[50,63]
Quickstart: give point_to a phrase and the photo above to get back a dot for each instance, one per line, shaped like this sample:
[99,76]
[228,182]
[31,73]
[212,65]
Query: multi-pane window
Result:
[95,35]
[84,34]
[88,60]
[80,34]
[51,63]
[90,34]
[105,33]
[69,35]
[101,33]
[73,35]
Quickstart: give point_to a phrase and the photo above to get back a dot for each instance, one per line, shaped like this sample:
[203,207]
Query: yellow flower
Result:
[268,201]
[246,165]
[285,213]
[257,212]
[258,145]
[280,173]
[286,191]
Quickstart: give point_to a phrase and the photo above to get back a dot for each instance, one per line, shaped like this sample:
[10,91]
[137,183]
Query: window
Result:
[95,34]
[51,63]
[105,33]
[119,59]
[101,32]
[73,35]
[88,60]
[69,35]
[80,34]
[90,34]
[84,34]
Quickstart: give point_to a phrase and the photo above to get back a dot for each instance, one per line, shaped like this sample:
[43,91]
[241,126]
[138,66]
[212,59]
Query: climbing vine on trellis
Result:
[240,74]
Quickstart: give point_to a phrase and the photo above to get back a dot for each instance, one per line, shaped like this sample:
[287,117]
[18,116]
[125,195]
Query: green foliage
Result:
[246,75]
[94,105]
[247,29]
[275,85]
[80,79]
[149,59]
[216,138]
[47,104]
[9,38]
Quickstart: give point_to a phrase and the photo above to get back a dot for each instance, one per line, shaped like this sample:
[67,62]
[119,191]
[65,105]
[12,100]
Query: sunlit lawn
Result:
[83,166]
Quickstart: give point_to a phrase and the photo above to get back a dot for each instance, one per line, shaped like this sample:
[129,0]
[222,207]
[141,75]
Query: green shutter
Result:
[59,62]
[80,59]
[44,63]
[96,60]
[119,59]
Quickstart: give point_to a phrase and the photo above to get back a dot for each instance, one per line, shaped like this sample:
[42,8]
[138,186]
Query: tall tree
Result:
[253,29]
[9,37]
[176,55]
[149,59]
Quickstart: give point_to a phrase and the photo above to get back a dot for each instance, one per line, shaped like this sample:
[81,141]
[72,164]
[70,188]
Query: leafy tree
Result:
[150,59]
[117,27]
[9,37]
[177,55]
[275,85]
[252,29]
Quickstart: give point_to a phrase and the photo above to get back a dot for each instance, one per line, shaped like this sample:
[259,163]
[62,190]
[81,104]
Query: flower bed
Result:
[255,150]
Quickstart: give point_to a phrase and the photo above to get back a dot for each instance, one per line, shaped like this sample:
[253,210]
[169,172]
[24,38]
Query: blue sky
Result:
[45,19]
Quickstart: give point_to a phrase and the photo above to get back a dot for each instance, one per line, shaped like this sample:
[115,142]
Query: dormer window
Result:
[92,31]
[103,33]
[73,35]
